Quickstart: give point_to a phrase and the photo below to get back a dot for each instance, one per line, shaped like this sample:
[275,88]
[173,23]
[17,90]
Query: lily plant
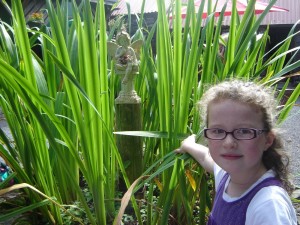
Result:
[59,106]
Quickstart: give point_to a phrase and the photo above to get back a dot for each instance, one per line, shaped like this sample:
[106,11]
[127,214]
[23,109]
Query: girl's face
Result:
[232,155]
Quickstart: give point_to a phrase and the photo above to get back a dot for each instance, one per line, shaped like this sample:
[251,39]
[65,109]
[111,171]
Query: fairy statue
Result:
[126,56]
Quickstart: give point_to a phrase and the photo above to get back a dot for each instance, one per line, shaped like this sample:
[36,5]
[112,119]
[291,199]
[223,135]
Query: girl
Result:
[244,155]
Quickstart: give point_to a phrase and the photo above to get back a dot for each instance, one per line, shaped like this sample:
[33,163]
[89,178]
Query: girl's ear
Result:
[270,137]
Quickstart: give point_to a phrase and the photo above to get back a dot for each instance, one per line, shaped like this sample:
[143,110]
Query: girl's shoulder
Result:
[271,204]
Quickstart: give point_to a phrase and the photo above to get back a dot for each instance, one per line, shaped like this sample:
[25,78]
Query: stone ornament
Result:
[126,57]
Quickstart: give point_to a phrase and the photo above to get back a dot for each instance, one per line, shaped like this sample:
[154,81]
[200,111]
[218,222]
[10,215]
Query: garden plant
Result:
[59,106]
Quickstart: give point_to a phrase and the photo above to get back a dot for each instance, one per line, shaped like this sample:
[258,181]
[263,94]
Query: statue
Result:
[126,56]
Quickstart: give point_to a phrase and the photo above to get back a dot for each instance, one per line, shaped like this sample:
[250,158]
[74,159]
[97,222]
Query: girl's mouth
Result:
[231,156]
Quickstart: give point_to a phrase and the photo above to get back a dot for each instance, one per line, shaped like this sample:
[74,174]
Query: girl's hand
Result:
[187,144]
[198,152]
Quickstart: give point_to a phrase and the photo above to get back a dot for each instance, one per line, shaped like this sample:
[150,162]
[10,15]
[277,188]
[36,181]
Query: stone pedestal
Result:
[128,118]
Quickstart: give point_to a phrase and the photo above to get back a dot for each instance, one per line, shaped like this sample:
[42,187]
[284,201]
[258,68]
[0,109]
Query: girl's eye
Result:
[217,131]
[244,131]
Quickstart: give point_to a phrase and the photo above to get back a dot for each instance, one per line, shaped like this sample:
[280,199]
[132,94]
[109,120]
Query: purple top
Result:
[234,213]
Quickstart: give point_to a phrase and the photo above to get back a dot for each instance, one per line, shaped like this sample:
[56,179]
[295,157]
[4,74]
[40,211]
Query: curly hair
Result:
[262,98]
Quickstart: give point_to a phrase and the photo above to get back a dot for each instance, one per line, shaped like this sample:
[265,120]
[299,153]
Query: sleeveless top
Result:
[234,213]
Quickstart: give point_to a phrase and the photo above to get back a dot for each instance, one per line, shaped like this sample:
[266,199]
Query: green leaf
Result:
[22,210]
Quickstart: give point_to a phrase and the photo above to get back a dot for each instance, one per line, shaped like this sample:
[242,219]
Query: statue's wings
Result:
[112,48]
[137,47]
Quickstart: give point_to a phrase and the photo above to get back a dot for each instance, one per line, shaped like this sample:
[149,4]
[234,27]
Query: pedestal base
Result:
[128,98]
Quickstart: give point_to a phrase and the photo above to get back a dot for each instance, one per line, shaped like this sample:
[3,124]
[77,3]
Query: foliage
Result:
[188,61]
[59,106]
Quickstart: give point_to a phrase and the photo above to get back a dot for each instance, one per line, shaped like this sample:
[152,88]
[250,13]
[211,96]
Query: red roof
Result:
[136,5]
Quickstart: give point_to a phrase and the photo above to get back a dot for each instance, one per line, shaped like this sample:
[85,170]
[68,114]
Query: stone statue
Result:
[126,56]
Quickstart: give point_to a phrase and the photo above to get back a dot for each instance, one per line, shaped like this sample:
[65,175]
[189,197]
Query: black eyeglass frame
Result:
[257,132]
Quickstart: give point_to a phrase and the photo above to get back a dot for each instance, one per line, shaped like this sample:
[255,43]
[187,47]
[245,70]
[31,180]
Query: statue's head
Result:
[123,39]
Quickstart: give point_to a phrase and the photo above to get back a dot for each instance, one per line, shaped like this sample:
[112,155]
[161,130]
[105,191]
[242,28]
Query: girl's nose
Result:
[229,141]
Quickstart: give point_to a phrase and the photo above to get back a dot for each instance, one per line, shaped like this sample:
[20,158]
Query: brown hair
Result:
[261,97]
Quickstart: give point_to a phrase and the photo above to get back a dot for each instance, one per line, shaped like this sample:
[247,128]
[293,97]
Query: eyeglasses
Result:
[239,134]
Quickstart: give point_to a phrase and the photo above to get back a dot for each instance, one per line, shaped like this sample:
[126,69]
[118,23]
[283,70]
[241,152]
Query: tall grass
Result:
[60,106]
[61,100]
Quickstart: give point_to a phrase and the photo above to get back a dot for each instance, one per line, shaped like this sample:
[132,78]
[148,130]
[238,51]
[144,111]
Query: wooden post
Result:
[128,118]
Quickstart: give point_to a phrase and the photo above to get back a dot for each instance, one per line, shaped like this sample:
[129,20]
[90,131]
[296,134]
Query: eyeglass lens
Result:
[239,134]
